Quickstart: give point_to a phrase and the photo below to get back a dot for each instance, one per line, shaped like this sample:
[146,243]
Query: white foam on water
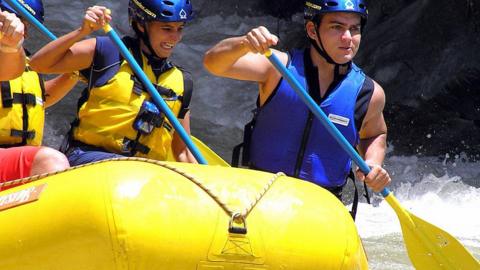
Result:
[437,191]
[444,201]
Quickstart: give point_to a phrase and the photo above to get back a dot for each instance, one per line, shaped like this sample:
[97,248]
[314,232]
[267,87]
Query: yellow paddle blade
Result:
[428,246]
[211,157]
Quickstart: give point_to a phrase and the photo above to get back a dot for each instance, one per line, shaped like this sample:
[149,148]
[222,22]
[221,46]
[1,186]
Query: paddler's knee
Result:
[48,160]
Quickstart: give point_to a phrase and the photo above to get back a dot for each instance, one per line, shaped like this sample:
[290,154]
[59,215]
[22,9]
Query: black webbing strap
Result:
[166,92]
[236,154]
[353,211]
[244,147]
[366,195]
[41,79]
[7,99]
[137,86]
[134,146]
[27,99]
[26,135]
[303,145]
[187,94]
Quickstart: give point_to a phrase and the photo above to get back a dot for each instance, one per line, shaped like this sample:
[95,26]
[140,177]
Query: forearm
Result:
[186,156]
[181,151]
[15,66]
[57,88]
[373,149]
[179,148]
[47,59]
[223,56]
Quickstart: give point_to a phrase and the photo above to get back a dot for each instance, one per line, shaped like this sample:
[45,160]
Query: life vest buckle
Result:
[148,118]
[167,93]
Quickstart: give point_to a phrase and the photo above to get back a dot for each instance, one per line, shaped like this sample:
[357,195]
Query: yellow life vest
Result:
[22,110]
[106,119]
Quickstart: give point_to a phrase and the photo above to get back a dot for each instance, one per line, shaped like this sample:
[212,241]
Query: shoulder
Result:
[273,76]
[103,42]
[186,74]
[184,71]
[187,79]
[371,91]
[374,122]
[378,96]
[106,52]
[377,102]
[106,62]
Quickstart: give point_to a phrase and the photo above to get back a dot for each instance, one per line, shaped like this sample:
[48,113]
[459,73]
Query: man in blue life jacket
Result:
[285,135]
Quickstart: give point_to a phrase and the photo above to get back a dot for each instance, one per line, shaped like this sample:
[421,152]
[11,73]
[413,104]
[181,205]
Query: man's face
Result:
[340,35]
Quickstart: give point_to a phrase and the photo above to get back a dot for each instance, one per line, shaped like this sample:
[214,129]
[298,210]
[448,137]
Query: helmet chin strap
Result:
[320,49]
[158,64]
[146,40]
[322,52]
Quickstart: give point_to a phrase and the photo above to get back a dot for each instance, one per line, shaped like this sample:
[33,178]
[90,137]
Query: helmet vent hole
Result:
[331,4]
[168,3]
[362,6]
[167,13]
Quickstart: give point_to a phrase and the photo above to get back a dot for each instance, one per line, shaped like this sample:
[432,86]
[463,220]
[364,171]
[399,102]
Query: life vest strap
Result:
[244,147]
[29,135]
[167,126]
[137,86]
[186,96]
[166,93]
[133,146]
[27,99]
[7,99]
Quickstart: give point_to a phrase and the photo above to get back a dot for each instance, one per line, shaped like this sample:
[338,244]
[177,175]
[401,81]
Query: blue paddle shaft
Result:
[315,109]
[29,17]
[156,97]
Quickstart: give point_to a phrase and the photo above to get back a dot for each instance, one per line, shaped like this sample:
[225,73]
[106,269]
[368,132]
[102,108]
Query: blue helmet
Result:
[143,11]
[313,8]
[35,7]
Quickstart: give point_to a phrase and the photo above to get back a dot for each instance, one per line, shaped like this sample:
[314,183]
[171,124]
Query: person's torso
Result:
[281,129]
[22,110]
[121,117]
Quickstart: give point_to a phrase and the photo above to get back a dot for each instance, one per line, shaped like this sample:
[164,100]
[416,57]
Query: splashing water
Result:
[449,201]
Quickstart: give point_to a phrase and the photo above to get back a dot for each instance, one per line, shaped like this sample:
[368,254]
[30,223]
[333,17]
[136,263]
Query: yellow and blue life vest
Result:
[107,117]
[22,110]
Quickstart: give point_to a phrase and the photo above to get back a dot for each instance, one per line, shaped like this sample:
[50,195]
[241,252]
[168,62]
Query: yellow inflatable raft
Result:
[140,214]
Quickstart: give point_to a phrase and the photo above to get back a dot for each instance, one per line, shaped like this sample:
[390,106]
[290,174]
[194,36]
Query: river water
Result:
[444,191]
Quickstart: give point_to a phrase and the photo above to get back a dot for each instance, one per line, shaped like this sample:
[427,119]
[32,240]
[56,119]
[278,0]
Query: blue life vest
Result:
[280,124]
